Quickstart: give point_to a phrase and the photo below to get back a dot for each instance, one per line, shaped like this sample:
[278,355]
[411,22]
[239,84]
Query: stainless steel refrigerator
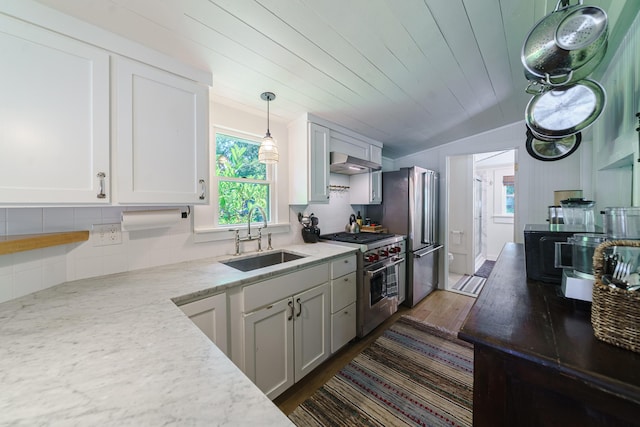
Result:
[410,207]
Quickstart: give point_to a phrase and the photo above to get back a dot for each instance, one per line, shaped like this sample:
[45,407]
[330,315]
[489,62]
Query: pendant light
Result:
[268,152]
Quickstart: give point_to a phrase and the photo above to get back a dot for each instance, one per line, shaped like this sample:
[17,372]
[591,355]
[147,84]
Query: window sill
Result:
[202,235]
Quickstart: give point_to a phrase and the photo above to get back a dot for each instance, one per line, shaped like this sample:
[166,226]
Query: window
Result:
[508,194]
[242,182]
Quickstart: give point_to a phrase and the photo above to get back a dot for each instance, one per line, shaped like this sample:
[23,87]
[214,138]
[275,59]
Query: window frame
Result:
[206,227]
[215,179]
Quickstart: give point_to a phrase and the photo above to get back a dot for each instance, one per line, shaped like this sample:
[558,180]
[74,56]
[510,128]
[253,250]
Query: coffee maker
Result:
[310,230]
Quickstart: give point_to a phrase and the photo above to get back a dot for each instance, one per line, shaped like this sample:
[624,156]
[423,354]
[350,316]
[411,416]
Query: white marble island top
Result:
[116,350]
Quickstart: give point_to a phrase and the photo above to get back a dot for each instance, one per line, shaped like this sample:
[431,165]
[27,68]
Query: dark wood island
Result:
[536,360]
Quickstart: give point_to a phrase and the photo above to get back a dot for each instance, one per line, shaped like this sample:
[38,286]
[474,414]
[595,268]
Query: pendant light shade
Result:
[268,152]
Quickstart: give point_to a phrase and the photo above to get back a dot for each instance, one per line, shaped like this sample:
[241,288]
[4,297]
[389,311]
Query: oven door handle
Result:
[372,273]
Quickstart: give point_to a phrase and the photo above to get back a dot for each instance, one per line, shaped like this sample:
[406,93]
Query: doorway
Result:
[480,214]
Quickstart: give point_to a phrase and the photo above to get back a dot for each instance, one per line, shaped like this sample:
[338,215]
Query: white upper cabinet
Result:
[81,125]
[308,163]
[54,118]
[375,154]
[366,188]
[161,144]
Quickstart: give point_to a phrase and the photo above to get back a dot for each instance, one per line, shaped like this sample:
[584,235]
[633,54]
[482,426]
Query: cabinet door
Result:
[366,188]
[318,164]
[375,154]
[343,291]
[343,327]
[376,187]
[311,329]
[54,118]
[210,316]
[162,136]
[268,344]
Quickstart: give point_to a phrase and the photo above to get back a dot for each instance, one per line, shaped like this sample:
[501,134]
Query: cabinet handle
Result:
[101,177]
[299,307]
[203,186]
[346,279]
[290,303]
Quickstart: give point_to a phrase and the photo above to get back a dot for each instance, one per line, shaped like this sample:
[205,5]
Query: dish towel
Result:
[392,282]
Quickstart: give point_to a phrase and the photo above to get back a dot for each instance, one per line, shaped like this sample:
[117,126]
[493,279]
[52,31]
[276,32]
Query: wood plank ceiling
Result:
[412,74]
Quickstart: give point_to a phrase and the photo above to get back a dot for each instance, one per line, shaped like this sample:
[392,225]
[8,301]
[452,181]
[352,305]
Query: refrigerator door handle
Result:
[427,252]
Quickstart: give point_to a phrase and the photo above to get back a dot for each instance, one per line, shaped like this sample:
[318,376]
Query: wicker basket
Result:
[615,312]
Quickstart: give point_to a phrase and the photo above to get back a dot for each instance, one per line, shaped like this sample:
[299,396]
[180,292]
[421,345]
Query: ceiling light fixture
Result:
[268,152]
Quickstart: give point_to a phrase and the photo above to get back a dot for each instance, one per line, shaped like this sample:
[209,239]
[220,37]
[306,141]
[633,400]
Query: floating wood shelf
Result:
[28,242]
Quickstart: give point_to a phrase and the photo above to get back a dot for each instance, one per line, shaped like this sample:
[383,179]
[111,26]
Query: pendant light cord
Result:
[268,132]
[638,130]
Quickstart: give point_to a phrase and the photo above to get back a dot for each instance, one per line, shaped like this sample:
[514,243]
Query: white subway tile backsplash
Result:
[24,221]
[6,264]
[6,287]
[115,263]
[28,260]
[112,215]
[58,219]
[88,267]
[27,281]
[54,272]
[84,218]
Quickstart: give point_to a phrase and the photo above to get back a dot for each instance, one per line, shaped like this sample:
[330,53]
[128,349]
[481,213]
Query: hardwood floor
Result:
[441,308]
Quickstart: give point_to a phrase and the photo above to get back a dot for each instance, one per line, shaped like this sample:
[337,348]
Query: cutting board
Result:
[372,228]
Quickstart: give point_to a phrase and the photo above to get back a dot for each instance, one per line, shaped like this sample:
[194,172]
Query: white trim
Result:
[203,234]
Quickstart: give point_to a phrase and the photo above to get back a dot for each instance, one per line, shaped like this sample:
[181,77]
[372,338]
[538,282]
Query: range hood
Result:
[349,165]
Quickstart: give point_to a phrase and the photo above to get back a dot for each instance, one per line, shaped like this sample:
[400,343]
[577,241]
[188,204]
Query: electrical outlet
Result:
[107,234]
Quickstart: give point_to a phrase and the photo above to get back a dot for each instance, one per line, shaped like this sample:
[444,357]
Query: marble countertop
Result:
[116,350]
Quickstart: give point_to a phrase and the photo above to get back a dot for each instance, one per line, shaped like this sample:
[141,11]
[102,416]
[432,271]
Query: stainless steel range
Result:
[381,275]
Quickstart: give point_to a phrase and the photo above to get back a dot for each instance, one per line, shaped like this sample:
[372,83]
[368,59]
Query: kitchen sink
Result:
[263,260]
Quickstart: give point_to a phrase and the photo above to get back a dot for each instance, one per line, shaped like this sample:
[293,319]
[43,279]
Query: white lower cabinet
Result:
[343,302]
[281,328]
[286,340]
[343,327]
[210,316]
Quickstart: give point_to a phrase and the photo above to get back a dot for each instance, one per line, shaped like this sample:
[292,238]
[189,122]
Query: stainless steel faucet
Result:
[264,218]
[249,237]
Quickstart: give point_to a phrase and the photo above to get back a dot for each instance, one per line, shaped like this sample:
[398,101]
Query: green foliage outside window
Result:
[242,180]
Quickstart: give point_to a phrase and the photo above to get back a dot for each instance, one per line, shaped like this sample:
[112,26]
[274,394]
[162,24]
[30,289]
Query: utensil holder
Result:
[615,312]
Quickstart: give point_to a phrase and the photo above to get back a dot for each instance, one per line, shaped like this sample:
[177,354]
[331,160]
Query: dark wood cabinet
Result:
[537,362]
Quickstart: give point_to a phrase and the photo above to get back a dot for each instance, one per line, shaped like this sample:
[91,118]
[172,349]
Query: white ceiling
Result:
[412,74]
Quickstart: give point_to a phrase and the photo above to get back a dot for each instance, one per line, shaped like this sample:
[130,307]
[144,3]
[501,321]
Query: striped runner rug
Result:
[470,284]
[414,374]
